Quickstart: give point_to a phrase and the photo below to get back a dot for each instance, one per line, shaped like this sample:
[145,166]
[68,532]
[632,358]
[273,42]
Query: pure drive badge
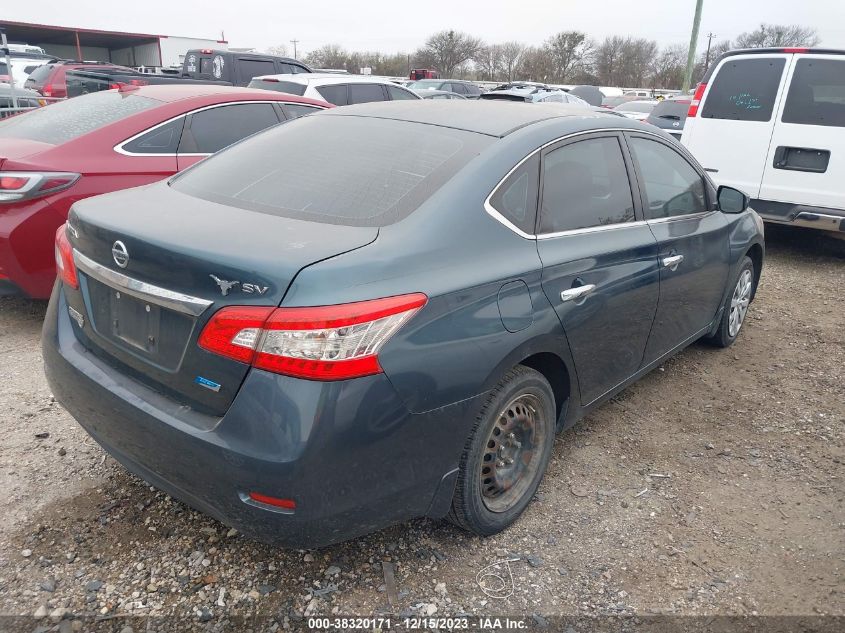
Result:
[208,384]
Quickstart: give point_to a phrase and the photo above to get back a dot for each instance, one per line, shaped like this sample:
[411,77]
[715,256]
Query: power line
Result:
[710,37]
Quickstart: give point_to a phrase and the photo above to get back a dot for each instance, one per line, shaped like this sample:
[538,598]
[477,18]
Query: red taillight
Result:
[287,504]
[795,50]
[319,343]
[12,183]
[234,332]
[65,267]
[47,90]
[18,185]
[696,99]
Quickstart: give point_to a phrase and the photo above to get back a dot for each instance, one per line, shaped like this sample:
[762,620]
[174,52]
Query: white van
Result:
[771,122]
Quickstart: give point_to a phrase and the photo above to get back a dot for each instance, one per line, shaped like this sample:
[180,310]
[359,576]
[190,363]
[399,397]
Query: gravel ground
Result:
[713,486]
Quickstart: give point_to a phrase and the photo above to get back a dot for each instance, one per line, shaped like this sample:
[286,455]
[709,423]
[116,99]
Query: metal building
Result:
[118,47]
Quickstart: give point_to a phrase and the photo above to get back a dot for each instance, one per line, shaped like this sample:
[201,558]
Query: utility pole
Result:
[294,42]
[693,43]
[710,37]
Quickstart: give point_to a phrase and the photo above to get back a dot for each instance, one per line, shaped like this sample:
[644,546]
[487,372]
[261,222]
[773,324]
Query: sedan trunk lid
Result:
[152,274]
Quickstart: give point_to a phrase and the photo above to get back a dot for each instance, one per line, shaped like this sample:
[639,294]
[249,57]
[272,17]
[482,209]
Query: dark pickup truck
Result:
[207,66]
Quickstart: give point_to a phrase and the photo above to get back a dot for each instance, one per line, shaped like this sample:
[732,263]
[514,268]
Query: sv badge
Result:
[226,286]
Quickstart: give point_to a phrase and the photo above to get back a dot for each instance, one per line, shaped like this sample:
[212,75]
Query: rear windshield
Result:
[674,110]
[41,73]
[67,120]
[425,83]
[635,106]
[289,87]
[354,171]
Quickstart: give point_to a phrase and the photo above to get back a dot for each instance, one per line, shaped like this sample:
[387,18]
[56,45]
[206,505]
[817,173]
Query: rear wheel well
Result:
[756,255]
[554,370]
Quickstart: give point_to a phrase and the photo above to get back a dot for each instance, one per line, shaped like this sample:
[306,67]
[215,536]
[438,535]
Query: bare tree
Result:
[535,65]
[328,56]
[279,49]
[609,61]
[639,55]
[569,52]
[511,52]
[450,49]
[778,35]
[488,62]
[667,68]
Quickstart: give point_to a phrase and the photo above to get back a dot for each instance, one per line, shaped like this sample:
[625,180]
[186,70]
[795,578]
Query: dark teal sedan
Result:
[387,311]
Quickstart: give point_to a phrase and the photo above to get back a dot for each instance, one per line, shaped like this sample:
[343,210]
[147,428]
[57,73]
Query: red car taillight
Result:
[696,99]
[18,185]
[65,266]
[320,343]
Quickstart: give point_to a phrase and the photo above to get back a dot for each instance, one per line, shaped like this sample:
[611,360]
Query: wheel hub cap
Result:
[512,453]
[739,302]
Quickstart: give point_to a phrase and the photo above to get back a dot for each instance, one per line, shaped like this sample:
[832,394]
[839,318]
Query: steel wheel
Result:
[513,453]
[739,302]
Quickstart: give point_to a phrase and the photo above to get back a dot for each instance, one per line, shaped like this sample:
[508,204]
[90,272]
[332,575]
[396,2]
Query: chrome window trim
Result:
[186,304]
[688,216]
[496,215]
[592,229]
[119,147]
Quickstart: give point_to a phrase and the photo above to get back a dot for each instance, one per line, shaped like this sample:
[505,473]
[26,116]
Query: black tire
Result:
[725,335]
[520,410]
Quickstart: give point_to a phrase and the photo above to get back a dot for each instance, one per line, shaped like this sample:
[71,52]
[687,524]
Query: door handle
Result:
[579,292]
[672,262]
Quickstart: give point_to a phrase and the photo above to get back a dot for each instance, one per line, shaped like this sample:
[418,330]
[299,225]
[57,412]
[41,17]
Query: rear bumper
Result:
[822,218]
[348,453]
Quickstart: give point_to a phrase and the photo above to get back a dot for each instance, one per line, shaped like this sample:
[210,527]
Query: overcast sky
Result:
[394,25]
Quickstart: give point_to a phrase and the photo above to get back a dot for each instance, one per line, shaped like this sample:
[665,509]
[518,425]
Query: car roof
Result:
[493,118]
[325,78]
[177,92]
[434,91]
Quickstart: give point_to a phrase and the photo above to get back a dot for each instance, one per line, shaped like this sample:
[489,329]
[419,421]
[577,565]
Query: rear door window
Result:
[672,187]
[585,184]
[213,129]
[335,94]
[744,89]
[817,93]
[366,93]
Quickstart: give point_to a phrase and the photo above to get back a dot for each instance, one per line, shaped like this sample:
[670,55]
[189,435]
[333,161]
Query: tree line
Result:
[568,57]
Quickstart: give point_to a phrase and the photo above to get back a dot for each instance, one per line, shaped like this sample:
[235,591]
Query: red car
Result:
[111,140]
[49,79]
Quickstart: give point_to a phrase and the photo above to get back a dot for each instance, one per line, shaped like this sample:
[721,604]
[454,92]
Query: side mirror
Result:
[732,200]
